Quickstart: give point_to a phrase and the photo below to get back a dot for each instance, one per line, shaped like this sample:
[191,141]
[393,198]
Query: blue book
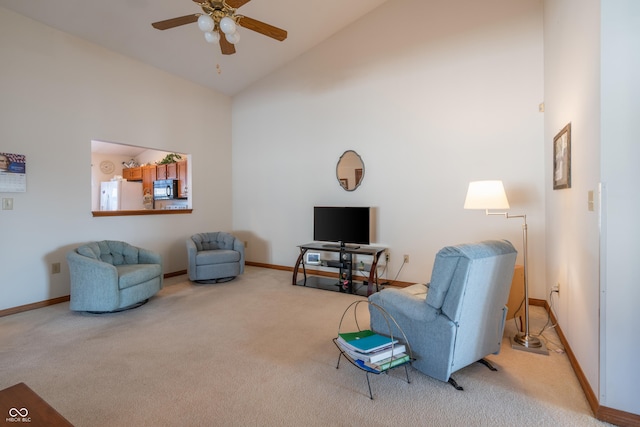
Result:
[364,366]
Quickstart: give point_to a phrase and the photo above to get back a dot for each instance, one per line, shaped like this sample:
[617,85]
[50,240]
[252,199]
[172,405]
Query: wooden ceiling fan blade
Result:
[175,22]
[226,47]
[236,3]
[262,28]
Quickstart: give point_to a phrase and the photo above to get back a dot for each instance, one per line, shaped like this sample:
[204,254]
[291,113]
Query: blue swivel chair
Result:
[110,275]
[214,257]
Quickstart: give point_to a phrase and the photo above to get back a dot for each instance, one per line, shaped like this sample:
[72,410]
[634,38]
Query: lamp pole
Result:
[524,339]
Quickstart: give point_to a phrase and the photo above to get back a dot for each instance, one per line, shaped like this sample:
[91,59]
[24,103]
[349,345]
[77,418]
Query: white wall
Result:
[449,98]
[572,94]
[59,93]
[620,376]
[591,64]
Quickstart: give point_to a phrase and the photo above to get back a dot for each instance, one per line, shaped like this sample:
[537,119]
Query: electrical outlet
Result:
[406,258]
[386,254]
[55,268]
[246,243]
[556,288]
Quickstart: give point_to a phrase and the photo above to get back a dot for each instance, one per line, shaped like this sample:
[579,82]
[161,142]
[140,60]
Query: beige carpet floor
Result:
[258,352]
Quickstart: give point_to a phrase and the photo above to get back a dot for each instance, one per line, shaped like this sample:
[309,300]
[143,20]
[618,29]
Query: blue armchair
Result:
[112,276]
[458,318]
[214,257]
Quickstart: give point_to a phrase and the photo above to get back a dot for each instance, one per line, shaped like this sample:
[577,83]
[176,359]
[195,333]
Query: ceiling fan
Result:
[219,23]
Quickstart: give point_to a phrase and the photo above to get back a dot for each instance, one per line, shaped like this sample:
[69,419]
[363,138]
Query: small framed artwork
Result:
[313,258]
[562,159]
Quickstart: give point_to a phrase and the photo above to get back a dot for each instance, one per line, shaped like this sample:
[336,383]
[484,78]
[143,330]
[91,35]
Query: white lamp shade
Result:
[227,25]
[205,23]
[486,195]
[233,38]
[212,37]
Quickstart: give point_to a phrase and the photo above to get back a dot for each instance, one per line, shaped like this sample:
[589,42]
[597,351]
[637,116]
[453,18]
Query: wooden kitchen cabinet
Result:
[148,176]
[172,170]
[132,174]
[161,172]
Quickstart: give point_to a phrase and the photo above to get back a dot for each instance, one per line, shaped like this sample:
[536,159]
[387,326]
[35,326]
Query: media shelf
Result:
[344,282]
[334,284]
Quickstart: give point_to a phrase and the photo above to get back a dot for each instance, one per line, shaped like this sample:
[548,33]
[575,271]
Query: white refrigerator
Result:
[121,196]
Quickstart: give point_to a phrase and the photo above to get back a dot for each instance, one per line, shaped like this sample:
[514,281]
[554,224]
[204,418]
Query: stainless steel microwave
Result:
[165,189]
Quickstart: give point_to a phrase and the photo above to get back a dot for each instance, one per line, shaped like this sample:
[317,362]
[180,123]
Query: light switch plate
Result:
[7,204]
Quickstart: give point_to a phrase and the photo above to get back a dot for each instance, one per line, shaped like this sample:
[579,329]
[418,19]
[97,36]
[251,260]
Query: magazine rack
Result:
[358,363]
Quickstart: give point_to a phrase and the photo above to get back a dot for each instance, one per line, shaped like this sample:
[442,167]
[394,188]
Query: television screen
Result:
[341,224]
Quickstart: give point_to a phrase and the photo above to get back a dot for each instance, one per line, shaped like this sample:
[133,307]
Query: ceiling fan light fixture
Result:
[227,25]
[233,38]
[205,23]
[219,23]
[212,36]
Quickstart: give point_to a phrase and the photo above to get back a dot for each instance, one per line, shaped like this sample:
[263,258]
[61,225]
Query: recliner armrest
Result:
[412,306]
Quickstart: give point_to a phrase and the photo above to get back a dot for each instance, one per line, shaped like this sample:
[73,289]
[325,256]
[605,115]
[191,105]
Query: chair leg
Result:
[455,384]
[488,364]
[485,362]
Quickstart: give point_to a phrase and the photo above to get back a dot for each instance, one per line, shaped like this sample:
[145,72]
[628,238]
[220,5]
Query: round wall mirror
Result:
[350,170]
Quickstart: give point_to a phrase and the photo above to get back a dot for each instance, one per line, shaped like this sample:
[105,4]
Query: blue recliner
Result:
[111,276]
[459,317]
[214,257]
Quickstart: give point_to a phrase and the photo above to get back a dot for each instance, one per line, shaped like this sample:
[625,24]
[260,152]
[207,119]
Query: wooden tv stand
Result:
[344,282]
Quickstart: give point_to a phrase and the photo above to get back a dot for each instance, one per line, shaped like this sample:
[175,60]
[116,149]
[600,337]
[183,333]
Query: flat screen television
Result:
[344,225]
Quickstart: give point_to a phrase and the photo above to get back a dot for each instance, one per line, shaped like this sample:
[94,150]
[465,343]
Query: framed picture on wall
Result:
[562,159]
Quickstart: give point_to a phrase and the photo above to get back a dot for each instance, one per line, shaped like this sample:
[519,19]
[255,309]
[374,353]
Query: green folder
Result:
[350,336]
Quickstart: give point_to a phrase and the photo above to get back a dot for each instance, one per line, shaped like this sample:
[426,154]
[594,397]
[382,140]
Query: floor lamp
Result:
[490,195]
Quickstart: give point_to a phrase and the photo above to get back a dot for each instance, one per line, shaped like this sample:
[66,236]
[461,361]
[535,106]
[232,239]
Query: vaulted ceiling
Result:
[124,26]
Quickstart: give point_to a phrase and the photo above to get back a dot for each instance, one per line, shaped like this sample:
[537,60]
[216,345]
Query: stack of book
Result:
[373,351]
